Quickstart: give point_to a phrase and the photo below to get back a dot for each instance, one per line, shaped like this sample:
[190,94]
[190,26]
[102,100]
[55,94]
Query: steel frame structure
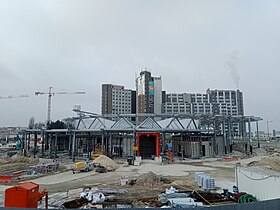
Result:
[100,126]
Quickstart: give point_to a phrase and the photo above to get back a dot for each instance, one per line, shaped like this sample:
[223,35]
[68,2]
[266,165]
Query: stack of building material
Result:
[204,181]
[208,183]
[198,178]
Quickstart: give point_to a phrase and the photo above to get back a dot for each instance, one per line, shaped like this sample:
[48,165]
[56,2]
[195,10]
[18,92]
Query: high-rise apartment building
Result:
[149,93]
[226,102]
[214,102]
[117,100]
[217,102]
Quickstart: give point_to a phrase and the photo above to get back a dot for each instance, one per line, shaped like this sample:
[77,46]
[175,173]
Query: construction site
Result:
[168,163]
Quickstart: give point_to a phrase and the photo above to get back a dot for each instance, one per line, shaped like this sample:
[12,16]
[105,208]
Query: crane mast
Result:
[50,94]
[49,105]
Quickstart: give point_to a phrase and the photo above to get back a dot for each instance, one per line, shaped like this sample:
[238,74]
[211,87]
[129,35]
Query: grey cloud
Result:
[78,45]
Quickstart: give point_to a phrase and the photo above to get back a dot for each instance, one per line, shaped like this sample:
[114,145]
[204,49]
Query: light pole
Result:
[267,124]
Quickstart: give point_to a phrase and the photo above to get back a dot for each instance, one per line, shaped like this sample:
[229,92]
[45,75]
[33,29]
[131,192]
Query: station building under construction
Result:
[190,136]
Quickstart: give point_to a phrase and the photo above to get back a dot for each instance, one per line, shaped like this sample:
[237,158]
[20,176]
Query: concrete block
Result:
[158,160]
[137,163]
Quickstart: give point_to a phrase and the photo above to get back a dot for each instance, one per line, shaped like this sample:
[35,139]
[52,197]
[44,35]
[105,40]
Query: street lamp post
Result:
[267,124]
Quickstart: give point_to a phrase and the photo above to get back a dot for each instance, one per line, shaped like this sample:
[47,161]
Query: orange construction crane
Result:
[50,94]
[11,96]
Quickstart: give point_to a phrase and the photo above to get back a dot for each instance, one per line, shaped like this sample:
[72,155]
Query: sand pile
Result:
[149,179]
[106,162]
[272,163]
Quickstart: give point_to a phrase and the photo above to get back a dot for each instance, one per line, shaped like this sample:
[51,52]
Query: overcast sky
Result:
[193,44]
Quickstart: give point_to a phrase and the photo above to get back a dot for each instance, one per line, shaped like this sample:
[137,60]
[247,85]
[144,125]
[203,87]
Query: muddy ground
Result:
[64,185]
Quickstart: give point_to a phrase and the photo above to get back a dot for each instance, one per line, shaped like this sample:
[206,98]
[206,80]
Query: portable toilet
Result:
[24,195]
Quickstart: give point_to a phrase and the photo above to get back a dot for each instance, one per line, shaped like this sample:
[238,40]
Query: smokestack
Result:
[232,65]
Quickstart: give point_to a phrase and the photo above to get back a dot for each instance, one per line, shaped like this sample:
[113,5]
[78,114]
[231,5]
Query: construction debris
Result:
[101,169]
[111,191]
[149,179]
[93,198]
[76,203]
[163,198]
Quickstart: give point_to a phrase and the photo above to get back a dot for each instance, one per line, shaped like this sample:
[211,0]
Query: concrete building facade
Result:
[213,102]
[226,102]
[217,102]
[117,100]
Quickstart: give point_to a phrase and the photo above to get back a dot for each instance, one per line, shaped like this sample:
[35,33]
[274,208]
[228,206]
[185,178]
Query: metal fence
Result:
[270,144]
[261,205]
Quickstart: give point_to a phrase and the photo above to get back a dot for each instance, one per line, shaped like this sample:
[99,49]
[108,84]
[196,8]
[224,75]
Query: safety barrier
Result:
[261,205]
[6,178]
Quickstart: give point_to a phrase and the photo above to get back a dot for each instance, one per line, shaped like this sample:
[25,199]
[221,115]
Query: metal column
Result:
[73,146]
[250,138]
[245,137]
[35,144]
[111,148]
[224,135]
[24,143]
[230,135]
[69,146]
[258,135]
[55,146]
[102,143]
[214,145]
[163,142]
[43,142]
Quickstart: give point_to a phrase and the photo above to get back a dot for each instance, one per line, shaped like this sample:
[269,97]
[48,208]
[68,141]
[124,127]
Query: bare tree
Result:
[31,123]
[39,125]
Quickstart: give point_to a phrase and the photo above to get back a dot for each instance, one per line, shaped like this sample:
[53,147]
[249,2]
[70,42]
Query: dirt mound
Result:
[7,168]
[2,161]
[185,184]
[21,159]
[272,163]
[16,163]
[149,179]
[106,162]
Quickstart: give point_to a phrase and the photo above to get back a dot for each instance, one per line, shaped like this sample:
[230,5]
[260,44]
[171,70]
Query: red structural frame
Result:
[157,139]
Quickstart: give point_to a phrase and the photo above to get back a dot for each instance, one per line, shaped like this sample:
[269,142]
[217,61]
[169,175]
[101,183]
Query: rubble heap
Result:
[149,179]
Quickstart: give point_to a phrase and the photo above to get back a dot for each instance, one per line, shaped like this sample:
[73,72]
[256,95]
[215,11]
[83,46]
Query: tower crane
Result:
[50,94]
[11,96]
